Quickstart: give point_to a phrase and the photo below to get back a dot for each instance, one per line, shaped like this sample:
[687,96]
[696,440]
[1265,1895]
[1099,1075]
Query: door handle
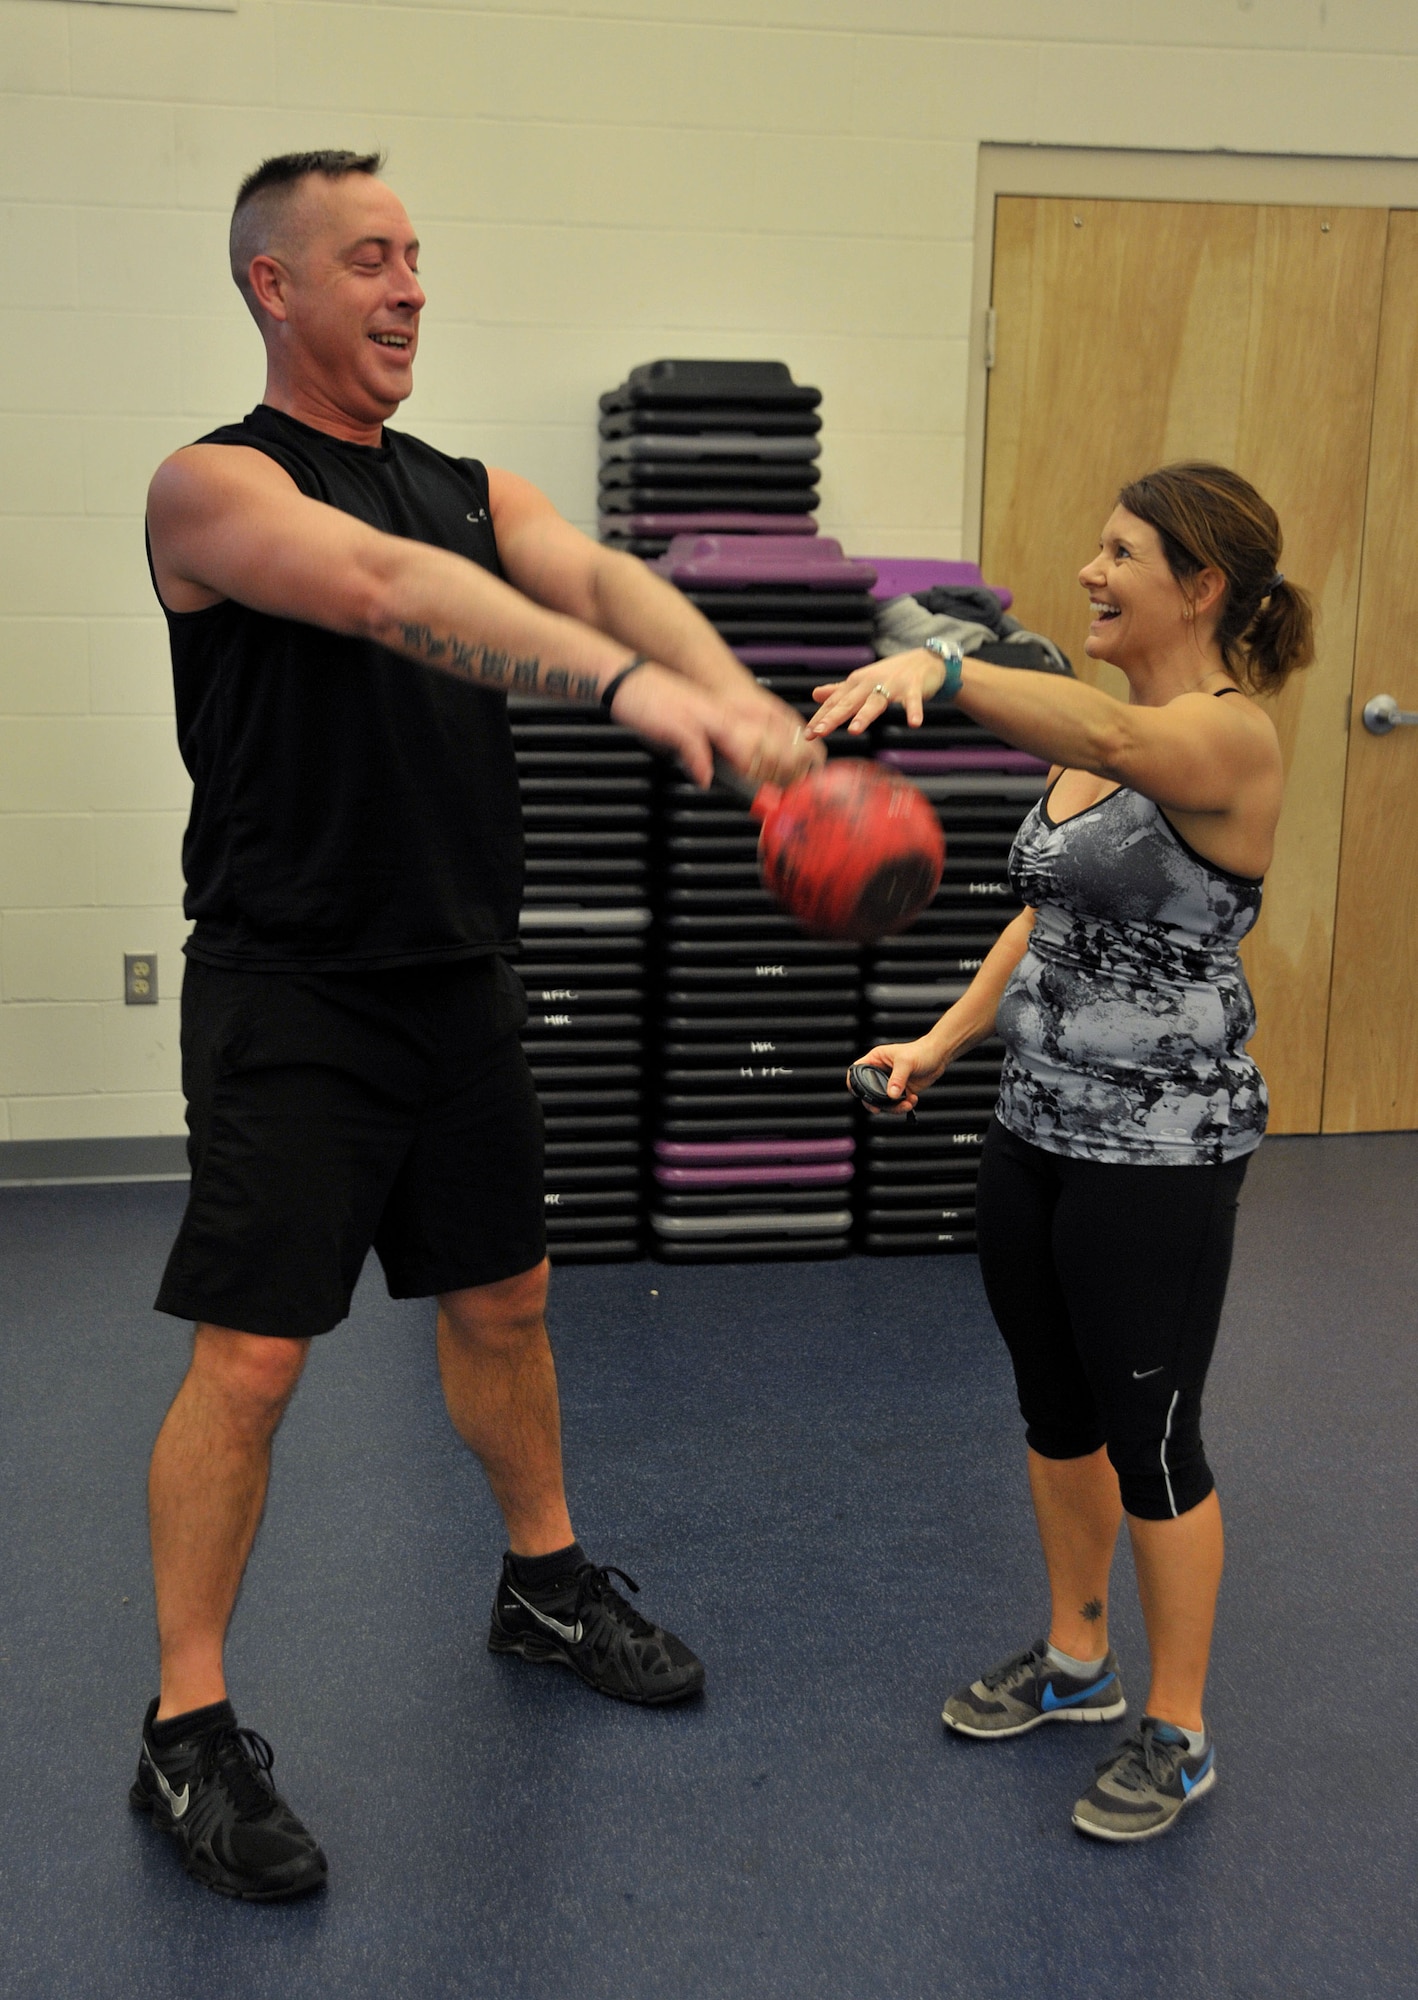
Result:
[1383,713]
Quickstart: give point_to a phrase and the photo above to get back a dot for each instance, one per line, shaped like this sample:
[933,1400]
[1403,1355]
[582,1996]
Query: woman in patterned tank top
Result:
[1129,1106]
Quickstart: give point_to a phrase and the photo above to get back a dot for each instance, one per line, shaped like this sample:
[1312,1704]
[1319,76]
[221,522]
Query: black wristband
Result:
[612,687]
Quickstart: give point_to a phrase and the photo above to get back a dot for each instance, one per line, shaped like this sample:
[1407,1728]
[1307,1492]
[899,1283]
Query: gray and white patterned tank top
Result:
[1125,1023]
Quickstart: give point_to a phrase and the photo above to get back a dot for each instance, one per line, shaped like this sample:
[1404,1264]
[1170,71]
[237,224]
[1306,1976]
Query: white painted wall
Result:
[597,182]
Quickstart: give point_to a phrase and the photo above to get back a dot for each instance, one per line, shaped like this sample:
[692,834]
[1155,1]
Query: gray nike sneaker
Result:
[1025,1690]
[1140,1790]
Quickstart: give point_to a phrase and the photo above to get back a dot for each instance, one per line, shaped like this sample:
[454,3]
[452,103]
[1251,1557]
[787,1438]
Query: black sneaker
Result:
[214,1795]
[585,1624]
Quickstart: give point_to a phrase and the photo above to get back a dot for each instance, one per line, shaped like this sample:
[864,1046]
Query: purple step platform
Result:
[708,523]
[722,1152]
[930,763]
[903,576]
[785,1174]
[736,560]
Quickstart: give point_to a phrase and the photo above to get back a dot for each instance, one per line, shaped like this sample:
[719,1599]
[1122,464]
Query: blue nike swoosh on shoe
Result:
[1051,1700]
[1189,1783]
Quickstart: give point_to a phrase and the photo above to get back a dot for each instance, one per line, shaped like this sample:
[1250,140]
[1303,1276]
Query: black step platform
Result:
[675,384]
[916,1190]
[588,800]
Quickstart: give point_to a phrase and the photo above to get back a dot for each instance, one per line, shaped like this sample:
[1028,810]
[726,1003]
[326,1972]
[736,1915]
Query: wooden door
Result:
[1371,1076]
[1132,333]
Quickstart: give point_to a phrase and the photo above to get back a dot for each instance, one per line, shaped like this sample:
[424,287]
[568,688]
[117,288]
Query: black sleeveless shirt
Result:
[352,810]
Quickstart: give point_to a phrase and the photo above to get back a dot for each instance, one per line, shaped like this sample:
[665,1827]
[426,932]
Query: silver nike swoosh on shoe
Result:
[568,1632]
[177,1800]
[1141,1374]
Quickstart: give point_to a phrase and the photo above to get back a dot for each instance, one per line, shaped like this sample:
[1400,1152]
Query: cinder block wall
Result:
[596,182]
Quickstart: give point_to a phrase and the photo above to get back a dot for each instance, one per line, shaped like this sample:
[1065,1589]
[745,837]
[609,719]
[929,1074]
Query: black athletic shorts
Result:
[328,1112]
[1107,1283]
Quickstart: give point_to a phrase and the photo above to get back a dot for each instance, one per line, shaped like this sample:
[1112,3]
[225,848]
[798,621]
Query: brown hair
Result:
[1208,517]
[264,197]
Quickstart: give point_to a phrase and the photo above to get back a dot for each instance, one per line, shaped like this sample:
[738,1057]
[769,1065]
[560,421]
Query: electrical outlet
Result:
[140,979]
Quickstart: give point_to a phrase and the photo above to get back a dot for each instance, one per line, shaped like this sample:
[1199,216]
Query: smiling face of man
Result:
[335,291]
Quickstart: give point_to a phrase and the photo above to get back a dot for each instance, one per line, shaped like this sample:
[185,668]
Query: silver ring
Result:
[879,689]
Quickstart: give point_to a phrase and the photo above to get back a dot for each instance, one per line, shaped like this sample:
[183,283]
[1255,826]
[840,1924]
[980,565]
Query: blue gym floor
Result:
[816,1474]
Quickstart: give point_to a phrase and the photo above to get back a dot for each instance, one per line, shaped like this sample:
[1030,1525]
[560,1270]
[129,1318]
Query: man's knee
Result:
[505,1314]
[253,1374]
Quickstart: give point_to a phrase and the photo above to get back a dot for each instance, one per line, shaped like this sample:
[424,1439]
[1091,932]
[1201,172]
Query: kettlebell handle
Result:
[760,799]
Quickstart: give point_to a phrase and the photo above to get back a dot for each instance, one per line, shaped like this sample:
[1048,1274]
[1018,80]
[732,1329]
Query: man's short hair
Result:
[265,195]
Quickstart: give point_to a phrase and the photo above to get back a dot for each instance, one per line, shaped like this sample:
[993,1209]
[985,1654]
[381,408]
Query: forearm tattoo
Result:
[488,666]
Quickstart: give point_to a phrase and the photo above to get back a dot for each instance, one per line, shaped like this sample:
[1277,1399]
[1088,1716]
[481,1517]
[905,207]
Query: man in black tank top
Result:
[348,609]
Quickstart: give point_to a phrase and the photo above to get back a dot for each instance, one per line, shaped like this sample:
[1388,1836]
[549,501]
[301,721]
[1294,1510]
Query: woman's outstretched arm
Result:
[1193,753]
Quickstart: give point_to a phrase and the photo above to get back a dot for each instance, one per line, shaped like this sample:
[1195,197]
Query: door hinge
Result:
[991,322]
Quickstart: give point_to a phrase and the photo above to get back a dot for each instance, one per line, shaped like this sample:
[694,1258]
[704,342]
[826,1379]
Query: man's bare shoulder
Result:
[513,500]
[199,501]
[201,477]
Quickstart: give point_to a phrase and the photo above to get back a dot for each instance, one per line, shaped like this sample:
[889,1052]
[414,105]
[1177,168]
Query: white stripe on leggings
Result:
[1171,1496]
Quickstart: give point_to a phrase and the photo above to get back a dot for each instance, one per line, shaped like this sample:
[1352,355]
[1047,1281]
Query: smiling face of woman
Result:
[1141,613]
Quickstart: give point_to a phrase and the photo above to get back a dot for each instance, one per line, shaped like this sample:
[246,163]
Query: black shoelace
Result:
[1009,1671]
[594,1586]
[1143,1761]
[242,1760]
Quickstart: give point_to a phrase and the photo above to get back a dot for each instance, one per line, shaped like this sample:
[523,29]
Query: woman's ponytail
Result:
[1279,639]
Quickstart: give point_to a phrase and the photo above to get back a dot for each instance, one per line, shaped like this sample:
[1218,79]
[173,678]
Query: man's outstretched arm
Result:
[616,593]
[227,522]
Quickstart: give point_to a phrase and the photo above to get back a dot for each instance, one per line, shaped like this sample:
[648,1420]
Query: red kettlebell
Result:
[851,850]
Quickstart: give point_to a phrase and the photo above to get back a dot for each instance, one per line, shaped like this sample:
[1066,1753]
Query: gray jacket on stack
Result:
[976,622]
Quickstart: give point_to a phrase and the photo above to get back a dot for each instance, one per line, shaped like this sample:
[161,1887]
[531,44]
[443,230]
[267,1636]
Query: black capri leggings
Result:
[1107,1283]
